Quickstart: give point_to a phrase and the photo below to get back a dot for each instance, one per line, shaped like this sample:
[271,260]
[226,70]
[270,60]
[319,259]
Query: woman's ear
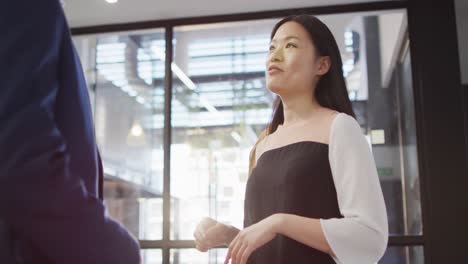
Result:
[324,65]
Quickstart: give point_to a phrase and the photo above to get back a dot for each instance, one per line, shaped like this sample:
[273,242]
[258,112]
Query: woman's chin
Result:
[275,89]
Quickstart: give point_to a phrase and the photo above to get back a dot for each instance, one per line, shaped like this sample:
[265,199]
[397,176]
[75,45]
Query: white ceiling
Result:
[99,12]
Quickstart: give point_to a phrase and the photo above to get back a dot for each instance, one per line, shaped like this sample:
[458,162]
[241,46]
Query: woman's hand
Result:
[251,238]
[211,233]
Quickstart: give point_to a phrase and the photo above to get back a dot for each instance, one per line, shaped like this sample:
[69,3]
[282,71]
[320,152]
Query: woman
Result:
[313,194]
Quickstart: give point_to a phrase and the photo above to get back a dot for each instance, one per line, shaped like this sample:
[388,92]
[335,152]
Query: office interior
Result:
[178,95]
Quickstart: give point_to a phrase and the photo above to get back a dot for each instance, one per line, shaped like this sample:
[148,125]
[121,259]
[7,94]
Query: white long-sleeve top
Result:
[361,236]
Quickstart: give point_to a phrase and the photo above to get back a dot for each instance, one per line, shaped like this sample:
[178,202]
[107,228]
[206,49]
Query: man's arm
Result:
[39,196]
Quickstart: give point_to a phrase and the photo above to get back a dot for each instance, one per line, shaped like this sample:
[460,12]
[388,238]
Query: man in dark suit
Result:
[49,165]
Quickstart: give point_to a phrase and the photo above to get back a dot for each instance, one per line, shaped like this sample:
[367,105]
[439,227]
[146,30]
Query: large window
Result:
[121,70]
[218,106]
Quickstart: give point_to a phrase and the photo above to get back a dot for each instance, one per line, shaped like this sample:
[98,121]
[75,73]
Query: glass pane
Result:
[124,72]
[219,106]
[379,84]
[409,156]
[86,49]
[403,255]
[193,256]
[151,256]
[461,11]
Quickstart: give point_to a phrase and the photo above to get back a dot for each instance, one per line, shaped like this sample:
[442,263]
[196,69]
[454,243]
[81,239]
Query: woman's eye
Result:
[290,45]
[272,48]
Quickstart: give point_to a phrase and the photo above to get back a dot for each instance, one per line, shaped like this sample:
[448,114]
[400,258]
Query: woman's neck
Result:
[299,109]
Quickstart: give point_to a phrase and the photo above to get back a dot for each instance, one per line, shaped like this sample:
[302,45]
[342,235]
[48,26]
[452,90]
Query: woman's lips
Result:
[274,69]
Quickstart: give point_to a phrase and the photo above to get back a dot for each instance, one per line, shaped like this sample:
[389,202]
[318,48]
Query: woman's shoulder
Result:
[344,123]
[345,130]
[322,125]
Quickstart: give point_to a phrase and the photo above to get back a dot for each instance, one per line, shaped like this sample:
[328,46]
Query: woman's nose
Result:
[276,55]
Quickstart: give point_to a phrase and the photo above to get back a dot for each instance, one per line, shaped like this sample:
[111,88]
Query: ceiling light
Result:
[111,1]
[136,130]
[236,136]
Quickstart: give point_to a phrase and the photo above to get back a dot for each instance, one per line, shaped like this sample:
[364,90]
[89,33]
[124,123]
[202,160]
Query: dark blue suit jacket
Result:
[49,209]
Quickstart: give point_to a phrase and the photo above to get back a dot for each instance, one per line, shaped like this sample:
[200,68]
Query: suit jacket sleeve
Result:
[40,197]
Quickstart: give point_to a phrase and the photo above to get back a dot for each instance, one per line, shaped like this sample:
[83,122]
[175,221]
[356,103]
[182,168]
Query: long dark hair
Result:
[331,89]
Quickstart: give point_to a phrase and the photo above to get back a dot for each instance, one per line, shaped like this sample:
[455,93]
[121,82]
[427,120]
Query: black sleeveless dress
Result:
[293,179]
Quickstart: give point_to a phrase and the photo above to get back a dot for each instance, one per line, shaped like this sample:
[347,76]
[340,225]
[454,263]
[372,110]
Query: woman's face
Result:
[292,65]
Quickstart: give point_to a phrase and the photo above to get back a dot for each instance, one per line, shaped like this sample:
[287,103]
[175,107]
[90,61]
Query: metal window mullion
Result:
[167,146]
